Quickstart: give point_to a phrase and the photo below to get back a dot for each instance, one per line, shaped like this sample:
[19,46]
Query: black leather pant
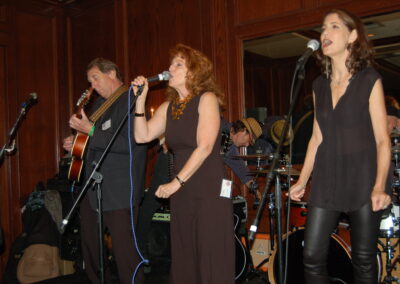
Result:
[364,233]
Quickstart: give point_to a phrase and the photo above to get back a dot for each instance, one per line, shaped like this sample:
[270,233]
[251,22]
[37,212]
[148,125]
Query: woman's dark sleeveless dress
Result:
[202,234]
[346,160]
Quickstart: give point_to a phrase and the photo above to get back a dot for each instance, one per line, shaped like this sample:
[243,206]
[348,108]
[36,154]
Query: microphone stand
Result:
[9,147]
[95,179]
[300,70]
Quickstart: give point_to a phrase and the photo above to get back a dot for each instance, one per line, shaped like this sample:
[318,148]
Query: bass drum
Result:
[339,260]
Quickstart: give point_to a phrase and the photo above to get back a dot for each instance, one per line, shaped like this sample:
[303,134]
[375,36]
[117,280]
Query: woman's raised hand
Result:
[140,82]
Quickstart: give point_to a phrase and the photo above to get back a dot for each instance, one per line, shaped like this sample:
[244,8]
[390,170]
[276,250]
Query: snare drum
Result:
[390,222]
[339,260]
[298,214]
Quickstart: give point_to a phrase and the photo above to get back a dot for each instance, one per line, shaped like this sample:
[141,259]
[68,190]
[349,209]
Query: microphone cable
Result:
[132,196]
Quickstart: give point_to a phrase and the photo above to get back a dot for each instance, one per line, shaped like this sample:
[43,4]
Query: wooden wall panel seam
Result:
[56,95]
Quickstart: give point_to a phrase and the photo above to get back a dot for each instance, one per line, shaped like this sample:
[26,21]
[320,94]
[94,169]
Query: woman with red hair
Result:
[202,240]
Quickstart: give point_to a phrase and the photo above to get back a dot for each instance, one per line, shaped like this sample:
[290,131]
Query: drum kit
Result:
[389,229]
[339,257]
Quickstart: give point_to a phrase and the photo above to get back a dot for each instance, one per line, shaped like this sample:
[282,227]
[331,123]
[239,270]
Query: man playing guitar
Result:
[109,109]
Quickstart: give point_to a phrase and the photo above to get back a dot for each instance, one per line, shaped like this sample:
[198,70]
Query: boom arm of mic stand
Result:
[2,151]
[89,180]
[253,229]
[17,124]
[10,145]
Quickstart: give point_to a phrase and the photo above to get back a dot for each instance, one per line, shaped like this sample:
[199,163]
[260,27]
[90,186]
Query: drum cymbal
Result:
[287,171]
[283,171]
[252,157]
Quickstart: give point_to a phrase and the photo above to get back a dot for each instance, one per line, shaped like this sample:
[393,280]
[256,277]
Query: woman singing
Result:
[202,241]
[348,153]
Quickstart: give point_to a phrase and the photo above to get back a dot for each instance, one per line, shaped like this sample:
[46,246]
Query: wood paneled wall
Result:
[45,48]
[268,82]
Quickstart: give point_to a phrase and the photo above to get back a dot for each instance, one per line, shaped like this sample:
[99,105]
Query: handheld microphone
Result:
[30,101]
[164,76]
[312,46]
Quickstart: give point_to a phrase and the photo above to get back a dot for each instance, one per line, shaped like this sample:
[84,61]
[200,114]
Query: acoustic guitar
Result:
[80,141]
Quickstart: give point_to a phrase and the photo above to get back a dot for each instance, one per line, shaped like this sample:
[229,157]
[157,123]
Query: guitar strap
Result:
[102,109]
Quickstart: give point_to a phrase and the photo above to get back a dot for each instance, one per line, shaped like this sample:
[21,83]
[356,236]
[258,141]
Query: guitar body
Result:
[80,142]
[77,152]
[242,255]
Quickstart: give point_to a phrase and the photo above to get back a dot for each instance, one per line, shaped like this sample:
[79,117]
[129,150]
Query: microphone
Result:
[29,102]
[312,46]
[164,76]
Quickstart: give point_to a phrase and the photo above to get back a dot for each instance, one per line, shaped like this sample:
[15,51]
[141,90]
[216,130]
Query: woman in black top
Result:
[348,153]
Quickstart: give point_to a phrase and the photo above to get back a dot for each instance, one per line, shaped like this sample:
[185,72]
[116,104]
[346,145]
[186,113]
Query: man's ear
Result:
[112,74]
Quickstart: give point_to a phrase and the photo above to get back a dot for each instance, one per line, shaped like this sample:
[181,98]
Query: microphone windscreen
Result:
[313,44]
[33,96]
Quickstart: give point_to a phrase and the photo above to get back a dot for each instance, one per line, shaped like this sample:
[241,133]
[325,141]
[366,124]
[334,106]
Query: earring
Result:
[326,68]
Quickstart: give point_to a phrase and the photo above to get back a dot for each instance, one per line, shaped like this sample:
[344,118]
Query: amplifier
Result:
[161,216]
[158,242]
[240,208]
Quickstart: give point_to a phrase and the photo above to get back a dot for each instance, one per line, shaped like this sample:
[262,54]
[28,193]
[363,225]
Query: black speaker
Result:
[158,243]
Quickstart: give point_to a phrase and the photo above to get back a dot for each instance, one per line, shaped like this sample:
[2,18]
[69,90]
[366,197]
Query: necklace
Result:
[178,106]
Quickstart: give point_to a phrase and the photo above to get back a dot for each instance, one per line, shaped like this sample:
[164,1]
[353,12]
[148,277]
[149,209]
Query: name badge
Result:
[226,188]
[106,125]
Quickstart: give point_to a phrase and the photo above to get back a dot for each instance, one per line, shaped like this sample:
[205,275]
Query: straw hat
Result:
[276,132]
[252,126]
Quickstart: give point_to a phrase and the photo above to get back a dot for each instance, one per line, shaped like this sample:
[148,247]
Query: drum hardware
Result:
[257,157]
[390,221]
[253,157]
[271,208]
[396,157]
[396,149]
[275,208]
[254,190]
[288,170]
[389,249]
[395,135]
[396,191]
[389,228]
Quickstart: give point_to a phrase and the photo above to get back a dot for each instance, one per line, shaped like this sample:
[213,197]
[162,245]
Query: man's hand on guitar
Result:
[80,122]
[67,143]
